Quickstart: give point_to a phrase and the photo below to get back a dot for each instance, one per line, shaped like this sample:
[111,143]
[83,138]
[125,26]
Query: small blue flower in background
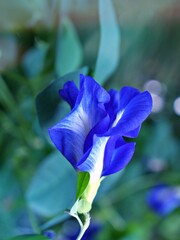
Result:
[91,135]
[163,199]
[50,234]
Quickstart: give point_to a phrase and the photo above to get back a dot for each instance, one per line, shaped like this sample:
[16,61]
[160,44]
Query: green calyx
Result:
[86,200]
[86,192]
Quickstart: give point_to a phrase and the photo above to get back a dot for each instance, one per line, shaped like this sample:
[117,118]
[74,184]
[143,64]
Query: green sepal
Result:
[82,183]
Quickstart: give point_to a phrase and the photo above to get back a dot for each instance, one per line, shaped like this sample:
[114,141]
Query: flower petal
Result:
[134,133]
[69,93]
[107,155]
[126,95]
[117,158]
[70,133]
[100,128]
[113,105]
[110,147]
[92,161]
[93,95]
[131,117]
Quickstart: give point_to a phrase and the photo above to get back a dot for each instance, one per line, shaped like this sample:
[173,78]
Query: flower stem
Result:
[85,226]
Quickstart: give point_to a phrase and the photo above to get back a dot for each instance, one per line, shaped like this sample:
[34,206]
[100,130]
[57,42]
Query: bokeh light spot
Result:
[158,103]
[176,106]
[153,86]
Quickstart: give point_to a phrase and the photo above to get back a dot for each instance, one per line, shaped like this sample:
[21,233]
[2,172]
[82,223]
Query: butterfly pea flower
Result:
[163,199]
[91,136]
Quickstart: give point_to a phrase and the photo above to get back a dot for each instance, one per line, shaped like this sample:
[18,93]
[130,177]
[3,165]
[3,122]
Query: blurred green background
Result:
[43,40]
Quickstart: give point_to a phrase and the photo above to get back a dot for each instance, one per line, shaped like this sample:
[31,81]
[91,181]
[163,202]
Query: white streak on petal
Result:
[79,123]
[95,159]
[118,117]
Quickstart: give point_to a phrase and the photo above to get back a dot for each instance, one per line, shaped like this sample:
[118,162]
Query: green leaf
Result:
[69,50]
[34,57]
[50,107]
[30,237]
[54,221]
[83,180]
[109,50]
[52,189]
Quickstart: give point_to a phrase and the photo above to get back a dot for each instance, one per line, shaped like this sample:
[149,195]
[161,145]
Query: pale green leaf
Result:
[69,50]
[52,189]
[109,49]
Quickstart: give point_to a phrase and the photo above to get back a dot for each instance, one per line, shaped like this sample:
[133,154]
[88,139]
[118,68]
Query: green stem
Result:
[83,224]
[84,227]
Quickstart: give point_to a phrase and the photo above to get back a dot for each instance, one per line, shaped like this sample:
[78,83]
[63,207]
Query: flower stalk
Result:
[84,226]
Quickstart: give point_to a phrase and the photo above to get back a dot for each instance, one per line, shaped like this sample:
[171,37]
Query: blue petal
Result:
[107,156]
[110,147]
[118,153]
[126,95]
[93,160]
[134,133]
[69,93]
[132,115]
[163,199]
[118,102]
[68,136]
[93,95]
[99,129]
[70,133]
[113,105]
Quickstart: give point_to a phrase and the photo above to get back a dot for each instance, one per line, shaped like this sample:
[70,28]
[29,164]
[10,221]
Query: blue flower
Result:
[163,199]
[91,135]
[50,234]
